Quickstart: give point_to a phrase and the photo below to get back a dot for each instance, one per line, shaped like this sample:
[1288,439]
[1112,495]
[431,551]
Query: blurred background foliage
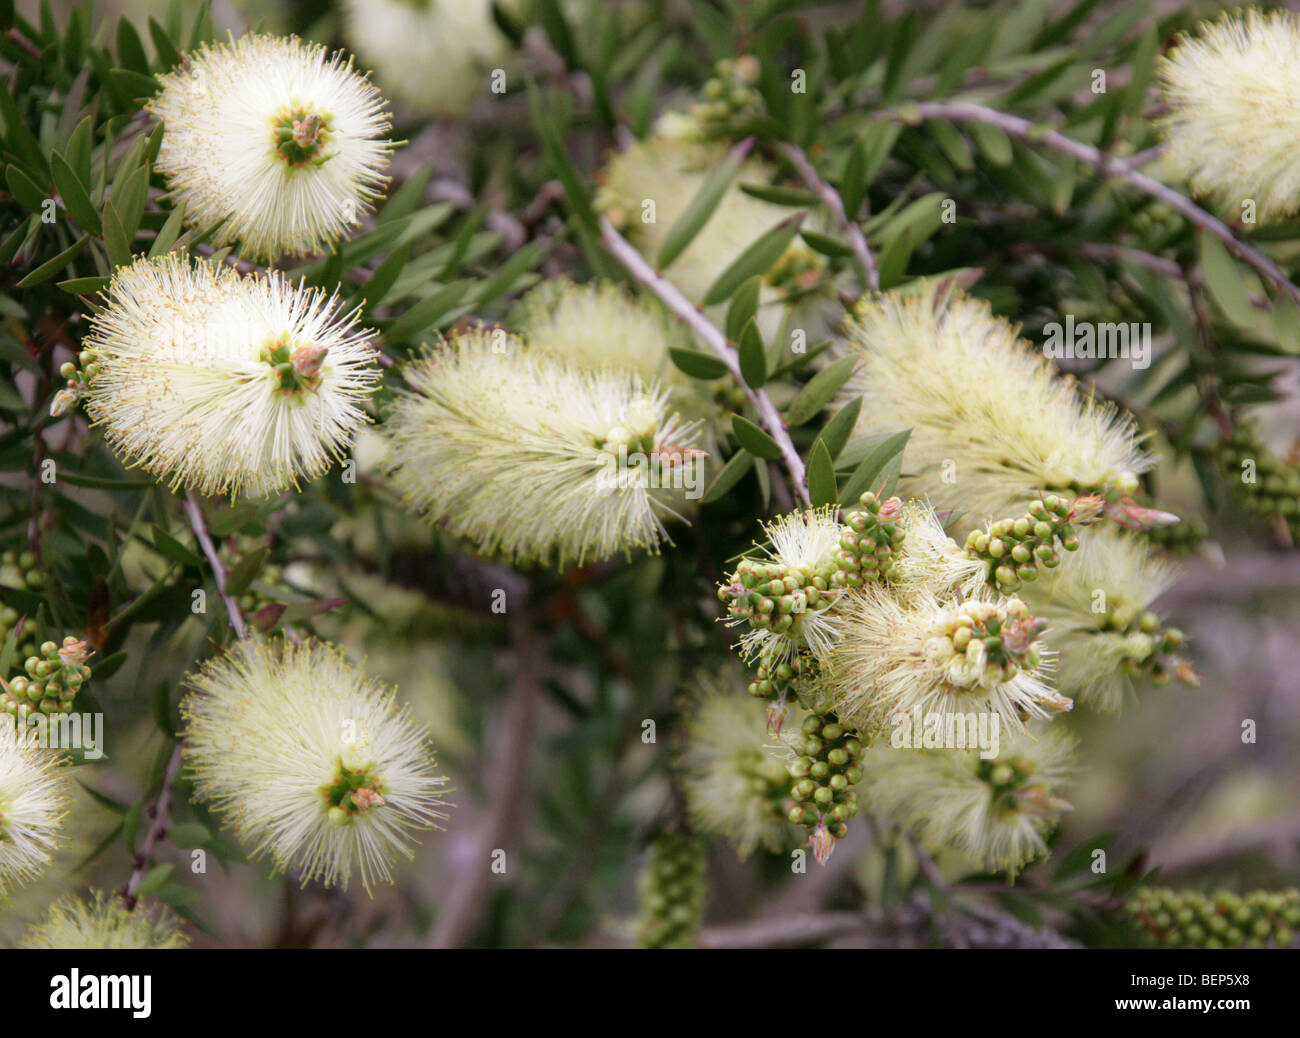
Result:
[538,712]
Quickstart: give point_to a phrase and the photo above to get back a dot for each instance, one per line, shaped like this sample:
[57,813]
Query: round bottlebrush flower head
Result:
[1097,603]
[221,383]
[981,654]
[275,140]
[645,189]
[734,772]
[311,761]
[1232,121]
[600,324]
[995,811]
[33,801]
[104,921]
[434,57]
[993,424]
[533,458]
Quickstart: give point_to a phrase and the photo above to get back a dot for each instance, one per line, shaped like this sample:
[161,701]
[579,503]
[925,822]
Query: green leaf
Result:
[189,834]
[168,56]
[134,85]
[754,439]
[853,185]
[74,194]
[836,432]
[821,476]
[154,879]
[697,364]
[162,711]
[27,192]
[867,475]
[753,362]
[1224,280]
[558,159]
[173,549]
[758,258]
[894,260]
[49,268]
[171,230]
[992,142]
[732,472]
[77,151]
[826,245]
[130,51]
[702,206]
[385,276]
[428,311]
[790,197]
[818,392]
[103,800]
[116,242]
[743,307]
[84,286]
[243,573]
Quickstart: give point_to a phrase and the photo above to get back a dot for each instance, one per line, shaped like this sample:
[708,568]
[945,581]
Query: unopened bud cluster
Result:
[826,767]
[52,680]
[78,376]
[1275,490]
[730,100]
[672,892]
[1149,648]
[1018,788]
[1191,919]
[984,644]
[1013,549]
[21,569]
[768,782]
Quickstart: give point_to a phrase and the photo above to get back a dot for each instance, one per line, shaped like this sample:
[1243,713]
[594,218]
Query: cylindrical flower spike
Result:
[33,801]
[222,383]
[993,424]
[533,458]
[1232,121]
[273,140]
[311,761]
[105,922]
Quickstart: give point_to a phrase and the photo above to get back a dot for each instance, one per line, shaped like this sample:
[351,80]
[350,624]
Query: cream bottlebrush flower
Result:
[600,324]
[530,457]
[646,188]
[1233,122]
[310,760]
[105,922]
[992,422]
[979,655]
[222,383]
[734,772]
[33,801]
[275,140]
[1097,603]
[801,552]
[432,56]
[930,561]
[995,811]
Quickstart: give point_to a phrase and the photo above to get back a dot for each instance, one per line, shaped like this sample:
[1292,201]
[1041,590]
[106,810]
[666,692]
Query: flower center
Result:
[297,364]
[354,791]
[301,136]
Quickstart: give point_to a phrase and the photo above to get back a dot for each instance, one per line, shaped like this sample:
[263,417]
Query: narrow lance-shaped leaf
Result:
[760,256]
[702,206]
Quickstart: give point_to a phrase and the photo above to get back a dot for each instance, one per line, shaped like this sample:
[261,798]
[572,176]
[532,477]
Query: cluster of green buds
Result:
[773,682]
[730,101]
[22,570]
[1149,648]
[301,136]
[297,365]
[672,889]
[1016,789]
[54,675]
[985,644]
[1191,919]
[77,377]
[825,770]
[8,621]
[1013,549]
[1266,485]
[768,781]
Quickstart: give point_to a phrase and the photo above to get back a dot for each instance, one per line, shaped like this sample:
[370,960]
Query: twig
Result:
[200,528]
[1023,129]
[832,200]
[622,250]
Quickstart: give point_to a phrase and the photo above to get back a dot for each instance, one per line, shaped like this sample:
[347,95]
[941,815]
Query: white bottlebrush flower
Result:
[734,771]
[995,812]
[1232,121]
[275,140]
[981,655]
[310,760]
[1097,603]
[600,324]
[530,457]
[222,383]
[33,801]
[434,57]
[928,560]
[646,188]
[993,423]
[105,922]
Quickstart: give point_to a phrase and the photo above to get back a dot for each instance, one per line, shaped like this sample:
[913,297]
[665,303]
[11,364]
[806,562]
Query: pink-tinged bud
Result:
[75,652]
[366,798]
[1087,509]
[1019,634]
[64,401]
[1186,673]
[890,509]
[822,843]
[306,131]
[1039,803]
[307,360]
[776,717]
[1132,516]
